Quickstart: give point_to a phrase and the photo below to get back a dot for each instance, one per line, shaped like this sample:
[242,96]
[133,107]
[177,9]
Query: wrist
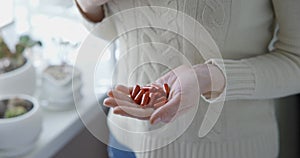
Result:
[211,79]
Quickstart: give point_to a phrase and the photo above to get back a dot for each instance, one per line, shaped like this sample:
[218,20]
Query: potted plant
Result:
[17,74]
[61,86]
[21,124]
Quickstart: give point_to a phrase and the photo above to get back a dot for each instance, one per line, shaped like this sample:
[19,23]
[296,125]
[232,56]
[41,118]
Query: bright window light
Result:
[6,12]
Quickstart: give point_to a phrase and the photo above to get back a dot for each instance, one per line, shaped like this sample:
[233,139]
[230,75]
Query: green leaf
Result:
[15,111]
[19,49]
[28,42]
[4,50]
[24,39]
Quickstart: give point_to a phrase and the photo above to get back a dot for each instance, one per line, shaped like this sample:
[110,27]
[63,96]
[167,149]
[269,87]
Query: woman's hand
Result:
[119,99]
[186,84]
[185,90]
[88,4]
[92,9]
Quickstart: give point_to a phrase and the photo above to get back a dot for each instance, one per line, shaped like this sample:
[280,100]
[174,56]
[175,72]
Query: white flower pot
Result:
[19,134]
[19,81]
[60,94]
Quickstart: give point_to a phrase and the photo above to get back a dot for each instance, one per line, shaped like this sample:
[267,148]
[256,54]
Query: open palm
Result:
[184,94]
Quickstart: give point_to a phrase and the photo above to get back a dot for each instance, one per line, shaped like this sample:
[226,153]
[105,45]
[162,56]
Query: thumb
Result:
[166,112]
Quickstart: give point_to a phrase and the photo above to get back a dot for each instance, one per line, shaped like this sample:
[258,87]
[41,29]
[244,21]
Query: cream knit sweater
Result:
[243,30]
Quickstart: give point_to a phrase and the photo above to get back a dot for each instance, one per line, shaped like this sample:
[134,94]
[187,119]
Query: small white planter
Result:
[19,81]
[61,93]
[19,134]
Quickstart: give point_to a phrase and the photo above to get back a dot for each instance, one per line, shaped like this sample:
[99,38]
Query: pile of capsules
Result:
[150,96]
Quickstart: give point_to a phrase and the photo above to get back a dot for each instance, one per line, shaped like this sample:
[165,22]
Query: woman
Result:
[253,78]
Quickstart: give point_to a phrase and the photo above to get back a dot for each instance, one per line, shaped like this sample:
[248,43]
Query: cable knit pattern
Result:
[255,76]
[213,14]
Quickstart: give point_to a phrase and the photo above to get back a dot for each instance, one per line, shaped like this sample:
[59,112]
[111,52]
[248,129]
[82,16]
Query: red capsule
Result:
[135,91]
[145,99]
[166,89]
[147,88]
[138,97]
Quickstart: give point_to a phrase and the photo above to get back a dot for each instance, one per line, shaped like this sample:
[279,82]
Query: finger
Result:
[110,102]
[153,97]
[138,113]
[113,102]
[166,112]
[160,99]
[158,88]
[162,91]
[124,89]
[110,94]
[156,85]
[159,104]
[119,95]
[156,98]
[158,95]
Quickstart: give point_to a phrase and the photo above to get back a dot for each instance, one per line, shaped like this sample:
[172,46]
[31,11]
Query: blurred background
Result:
[57,24]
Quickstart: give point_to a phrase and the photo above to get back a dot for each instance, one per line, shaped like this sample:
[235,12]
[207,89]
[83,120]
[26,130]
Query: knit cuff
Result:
[240,79]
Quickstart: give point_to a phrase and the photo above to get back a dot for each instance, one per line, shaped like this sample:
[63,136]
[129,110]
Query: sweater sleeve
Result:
[272,75]
[107,31]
